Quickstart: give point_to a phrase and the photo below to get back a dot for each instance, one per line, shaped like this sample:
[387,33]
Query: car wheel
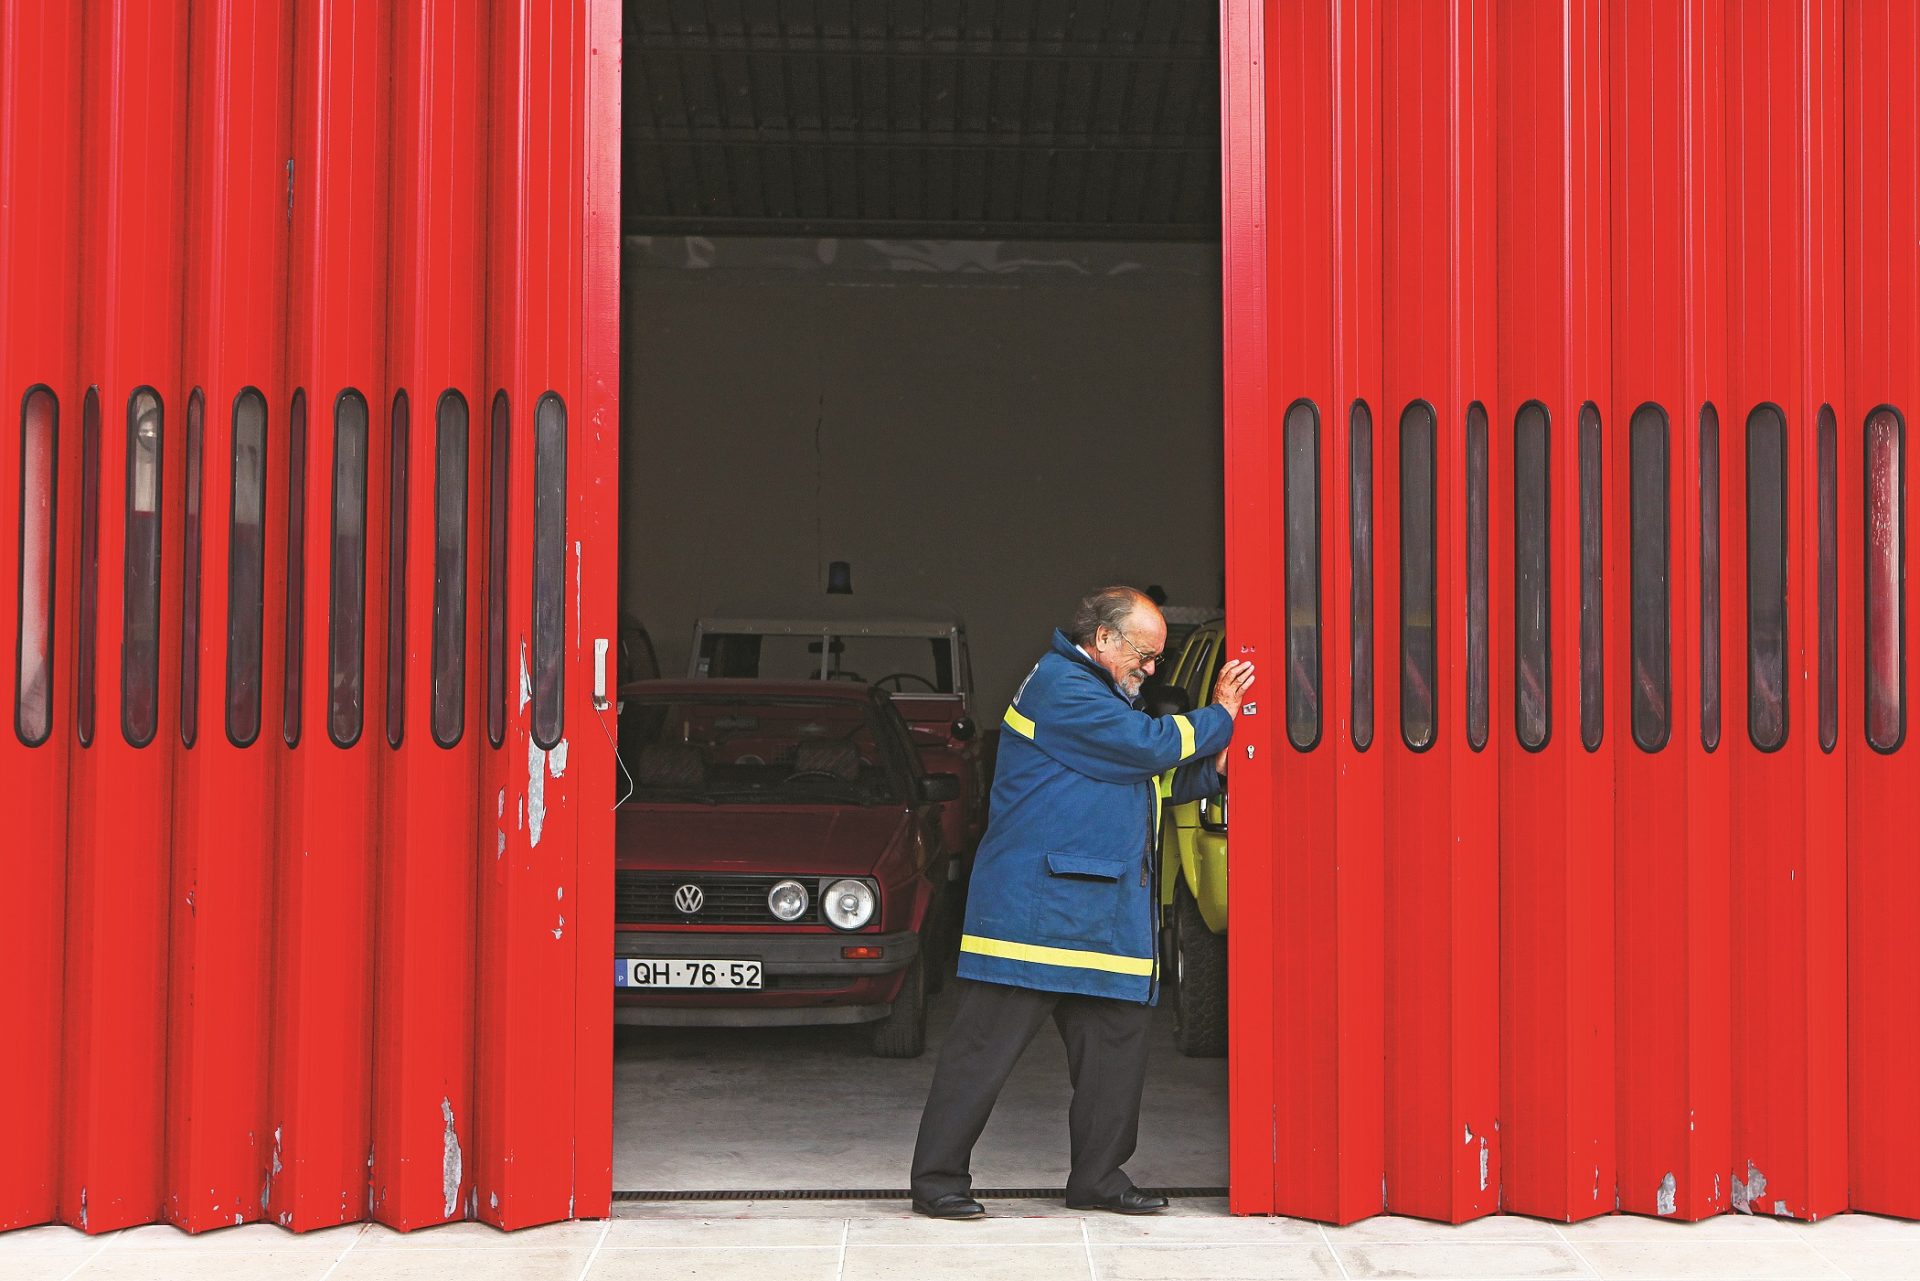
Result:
[903,1033]
[1200,980]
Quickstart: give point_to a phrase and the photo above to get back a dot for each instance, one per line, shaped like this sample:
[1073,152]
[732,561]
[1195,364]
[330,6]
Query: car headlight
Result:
[848,904]
[787,900]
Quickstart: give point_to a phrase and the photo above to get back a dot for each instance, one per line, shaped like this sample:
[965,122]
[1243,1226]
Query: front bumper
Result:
[807,981]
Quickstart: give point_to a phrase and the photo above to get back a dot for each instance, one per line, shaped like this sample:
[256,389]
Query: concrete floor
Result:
[792,1108]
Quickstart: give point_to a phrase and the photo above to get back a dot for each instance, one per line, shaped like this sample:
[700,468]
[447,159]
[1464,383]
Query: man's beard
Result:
[1132,684]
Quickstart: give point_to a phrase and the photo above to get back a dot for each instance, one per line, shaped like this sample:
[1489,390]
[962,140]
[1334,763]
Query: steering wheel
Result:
[814,773]
[898,677]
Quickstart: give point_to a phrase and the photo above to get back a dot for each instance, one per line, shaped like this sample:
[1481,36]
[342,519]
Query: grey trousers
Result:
[1106,1044]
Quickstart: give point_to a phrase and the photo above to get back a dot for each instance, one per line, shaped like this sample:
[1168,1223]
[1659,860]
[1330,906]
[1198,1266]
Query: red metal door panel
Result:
[1556,863]
[336,359]
[120,792]
[1323,921]
[1249,399]
[239,129]
[1668,329]
[1883,784]
[529,1002]
[1789,1002]
[39,434]
[1442,1154]
[423,1123]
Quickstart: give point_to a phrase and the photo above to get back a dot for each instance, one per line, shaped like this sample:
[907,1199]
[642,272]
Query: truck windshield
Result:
[728,751]
[898,664]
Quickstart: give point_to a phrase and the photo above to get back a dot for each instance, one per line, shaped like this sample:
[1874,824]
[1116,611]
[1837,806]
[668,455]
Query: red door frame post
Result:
[1883,783]
[423,1123]
[1669,334]
[40,395]
[239,127]
[1556,803]
[1789,822]
[120,793]
[322,1050]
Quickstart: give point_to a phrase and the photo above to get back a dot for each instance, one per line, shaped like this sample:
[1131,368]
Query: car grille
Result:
[646,898]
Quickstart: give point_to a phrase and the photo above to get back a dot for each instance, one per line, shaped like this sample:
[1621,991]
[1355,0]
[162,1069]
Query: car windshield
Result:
[898,664]
[730,750]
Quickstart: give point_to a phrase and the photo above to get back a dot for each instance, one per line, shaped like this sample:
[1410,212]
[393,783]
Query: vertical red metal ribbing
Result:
[1667,179]
[320,1094]
[1882,113]
[40,161]
[596,59]
[1324,912]
[1788,1027]
[1252,573]
[1556,832]
[529,1003]
[1441,954]
[239,127]
[423,1125]
[120,791]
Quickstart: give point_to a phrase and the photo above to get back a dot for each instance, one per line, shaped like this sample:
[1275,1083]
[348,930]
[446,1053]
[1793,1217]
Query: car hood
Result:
[823,840]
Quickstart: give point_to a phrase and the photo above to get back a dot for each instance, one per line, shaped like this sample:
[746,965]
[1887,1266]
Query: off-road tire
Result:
[903,1033]
[1200,986]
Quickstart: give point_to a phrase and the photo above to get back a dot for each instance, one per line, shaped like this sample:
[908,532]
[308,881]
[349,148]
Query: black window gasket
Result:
[1827,568]
[1478,694]
[1300,483]
[142,558]
[1889,588]
[549,579]
[1419,659]
[86,626]
[451,479]
[1649,577]
[497,514]
[190,577]
[296,613]
[47,401]
[1533,575]
[1710,701]
[347,570]
[1593,600]
[1767,654]
[1360,591]
[246,568]
[398,444]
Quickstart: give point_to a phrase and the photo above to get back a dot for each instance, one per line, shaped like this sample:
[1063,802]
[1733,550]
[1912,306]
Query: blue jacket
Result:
[1062,897]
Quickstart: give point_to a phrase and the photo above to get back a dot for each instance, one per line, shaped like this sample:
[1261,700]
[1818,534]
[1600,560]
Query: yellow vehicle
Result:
[1193,872]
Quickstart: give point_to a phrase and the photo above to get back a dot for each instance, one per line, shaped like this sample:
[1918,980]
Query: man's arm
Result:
[1088,730]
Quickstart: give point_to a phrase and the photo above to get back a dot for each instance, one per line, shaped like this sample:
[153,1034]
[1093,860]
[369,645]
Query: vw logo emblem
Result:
[688,899]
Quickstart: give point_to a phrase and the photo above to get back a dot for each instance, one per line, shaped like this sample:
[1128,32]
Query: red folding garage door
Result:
[1570,351]
[307,334]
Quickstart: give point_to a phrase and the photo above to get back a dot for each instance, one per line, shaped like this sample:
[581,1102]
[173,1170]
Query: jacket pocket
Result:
[1093,867]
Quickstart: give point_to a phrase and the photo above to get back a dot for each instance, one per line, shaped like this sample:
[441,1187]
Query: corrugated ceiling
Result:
[1097,119]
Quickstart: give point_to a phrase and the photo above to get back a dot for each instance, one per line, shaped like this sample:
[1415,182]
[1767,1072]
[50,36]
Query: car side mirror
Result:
[962,730]
[940,787]
[1166,700]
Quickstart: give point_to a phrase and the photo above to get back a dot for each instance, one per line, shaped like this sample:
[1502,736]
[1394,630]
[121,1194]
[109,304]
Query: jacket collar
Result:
[1063,645]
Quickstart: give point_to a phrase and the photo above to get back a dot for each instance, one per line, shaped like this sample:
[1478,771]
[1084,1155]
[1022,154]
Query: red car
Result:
[779,860]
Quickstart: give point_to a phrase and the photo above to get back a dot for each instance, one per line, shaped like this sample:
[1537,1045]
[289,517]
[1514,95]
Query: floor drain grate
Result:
[875,1194]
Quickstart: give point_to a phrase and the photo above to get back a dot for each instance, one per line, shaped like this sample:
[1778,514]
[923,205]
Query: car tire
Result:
[1200,982]
[903,1033]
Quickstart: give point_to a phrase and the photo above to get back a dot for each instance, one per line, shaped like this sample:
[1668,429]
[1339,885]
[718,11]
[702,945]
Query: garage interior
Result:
[932,290]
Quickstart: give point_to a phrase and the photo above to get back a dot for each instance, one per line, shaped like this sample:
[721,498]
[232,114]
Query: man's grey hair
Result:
[1110,607]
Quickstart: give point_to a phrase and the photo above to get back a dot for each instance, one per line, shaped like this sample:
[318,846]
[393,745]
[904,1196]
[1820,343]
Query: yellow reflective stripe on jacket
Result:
[1071,958]
[1186,736]
[1018,723]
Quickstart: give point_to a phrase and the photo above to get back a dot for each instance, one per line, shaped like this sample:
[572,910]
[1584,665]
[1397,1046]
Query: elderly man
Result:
[1062,919]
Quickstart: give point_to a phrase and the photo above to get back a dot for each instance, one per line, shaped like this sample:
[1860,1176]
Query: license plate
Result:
[739,975]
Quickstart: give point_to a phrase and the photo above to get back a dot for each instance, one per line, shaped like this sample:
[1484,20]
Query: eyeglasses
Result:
[1145,657]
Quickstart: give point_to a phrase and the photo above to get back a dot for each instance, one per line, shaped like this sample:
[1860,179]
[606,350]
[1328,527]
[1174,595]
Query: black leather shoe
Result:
[954,1205]
[1132,1201]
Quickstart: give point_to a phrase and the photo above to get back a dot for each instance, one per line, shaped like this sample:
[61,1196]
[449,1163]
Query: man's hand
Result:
[1230,690]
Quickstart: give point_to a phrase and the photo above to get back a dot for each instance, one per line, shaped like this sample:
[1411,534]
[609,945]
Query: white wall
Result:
[990,427]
